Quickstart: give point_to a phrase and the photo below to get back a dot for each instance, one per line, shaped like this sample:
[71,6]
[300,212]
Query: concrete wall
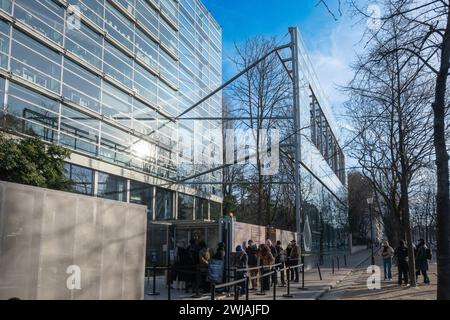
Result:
[44,232]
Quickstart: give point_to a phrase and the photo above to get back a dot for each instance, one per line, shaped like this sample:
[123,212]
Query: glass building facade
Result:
[105,79]
[323,175]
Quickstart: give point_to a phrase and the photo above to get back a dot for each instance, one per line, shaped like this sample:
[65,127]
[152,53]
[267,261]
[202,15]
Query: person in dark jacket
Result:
[280,258]
[422,254]
[241,262]
[294,257]
[266,260]
[401,253]
[220,252]
[252,262]
[191,262]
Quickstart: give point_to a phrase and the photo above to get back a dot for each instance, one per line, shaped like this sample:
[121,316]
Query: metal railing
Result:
[236,284]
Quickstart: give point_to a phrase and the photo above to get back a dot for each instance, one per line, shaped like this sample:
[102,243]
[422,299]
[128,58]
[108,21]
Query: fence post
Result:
[197,281]
[303,276]
[337,259]
[169,281]
[247,283]
[274,284]
[332,265]
[318,269]
[345,260]
[154,293]
[288,294]
[213,291]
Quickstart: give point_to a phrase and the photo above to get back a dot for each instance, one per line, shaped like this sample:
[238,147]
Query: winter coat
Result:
[251,254]
[295,252]
[401,253]
[281,255]
[421,258]
[386,252]
[266,259]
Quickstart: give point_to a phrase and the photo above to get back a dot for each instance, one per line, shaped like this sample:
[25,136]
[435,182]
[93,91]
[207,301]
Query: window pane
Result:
[118,65]
[141,193]
[4,44]
[215,210]
[201,209]
[185,207]
[35,63]
[112,187]
[32,113]
[81,87]
[164,204]
[86,44]
[44,16]
[79,131]
[82,179]
[119,27]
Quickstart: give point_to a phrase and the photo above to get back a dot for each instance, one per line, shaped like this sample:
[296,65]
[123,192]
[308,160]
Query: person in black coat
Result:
[241,262]
[422,254]
[251,251]
[280,258]
[401,254]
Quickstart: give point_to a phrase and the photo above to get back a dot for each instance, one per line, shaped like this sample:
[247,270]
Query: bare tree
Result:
[426,41]
[390,107]
[261,95]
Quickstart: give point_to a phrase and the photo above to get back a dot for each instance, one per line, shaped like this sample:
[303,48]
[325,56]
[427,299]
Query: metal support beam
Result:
[227,83]
[296,106]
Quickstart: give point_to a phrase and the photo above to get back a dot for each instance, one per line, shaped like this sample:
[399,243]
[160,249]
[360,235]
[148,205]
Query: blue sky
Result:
[331,44]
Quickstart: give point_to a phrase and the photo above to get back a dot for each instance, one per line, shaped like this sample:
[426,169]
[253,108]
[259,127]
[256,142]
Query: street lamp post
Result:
[369,202]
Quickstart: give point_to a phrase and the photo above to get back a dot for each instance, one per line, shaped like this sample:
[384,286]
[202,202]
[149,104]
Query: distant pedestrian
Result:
[387,252]
[401,254]
[252,262]
[294,258]
[422,255]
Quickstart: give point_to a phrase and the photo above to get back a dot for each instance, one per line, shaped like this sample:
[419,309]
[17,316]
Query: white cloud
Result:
[332,57]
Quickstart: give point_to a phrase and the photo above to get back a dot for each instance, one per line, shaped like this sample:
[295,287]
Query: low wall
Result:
[244,232]
[58,245]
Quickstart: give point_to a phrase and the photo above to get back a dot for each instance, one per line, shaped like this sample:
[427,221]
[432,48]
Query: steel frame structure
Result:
[293,73]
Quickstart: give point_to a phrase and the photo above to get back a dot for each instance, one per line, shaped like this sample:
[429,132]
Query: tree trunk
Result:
[442,196]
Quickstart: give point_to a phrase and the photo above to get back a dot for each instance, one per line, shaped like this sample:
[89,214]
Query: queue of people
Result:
[260,260]
[422,254]
[197,257]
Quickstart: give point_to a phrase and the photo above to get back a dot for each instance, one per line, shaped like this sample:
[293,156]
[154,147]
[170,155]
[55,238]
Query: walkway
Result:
[314,287]
[354,287]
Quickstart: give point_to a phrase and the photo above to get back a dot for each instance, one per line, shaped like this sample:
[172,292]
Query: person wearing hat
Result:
[220,252]
[241,262]
[387,253]
[294,257]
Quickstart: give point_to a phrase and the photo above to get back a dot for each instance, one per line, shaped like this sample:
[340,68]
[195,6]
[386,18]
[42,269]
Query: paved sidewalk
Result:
[314,287]
[354,287]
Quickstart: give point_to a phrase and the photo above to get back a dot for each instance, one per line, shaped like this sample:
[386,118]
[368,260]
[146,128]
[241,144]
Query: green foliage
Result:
[30,161]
